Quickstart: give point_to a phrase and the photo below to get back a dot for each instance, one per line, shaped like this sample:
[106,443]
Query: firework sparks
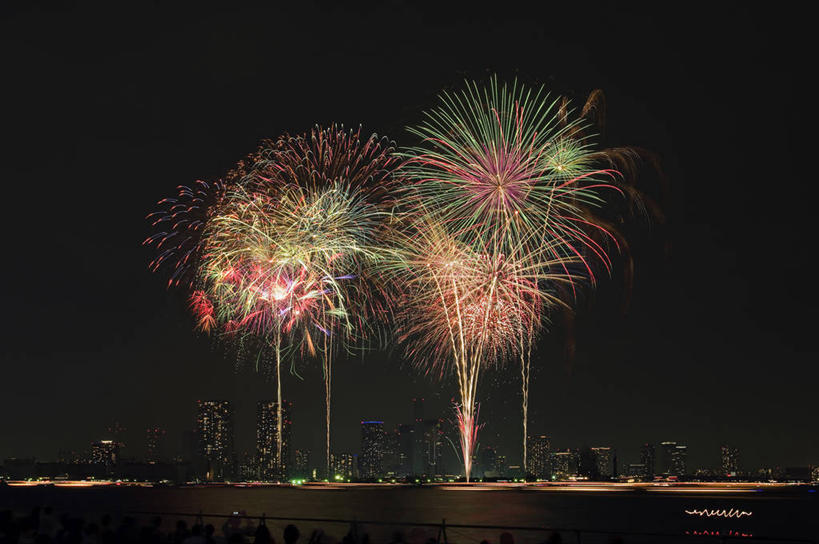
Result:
[509,173]
[464,308]
[291,253]
[180,223]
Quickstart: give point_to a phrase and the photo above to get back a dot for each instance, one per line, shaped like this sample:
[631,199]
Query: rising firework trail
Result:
[464,307]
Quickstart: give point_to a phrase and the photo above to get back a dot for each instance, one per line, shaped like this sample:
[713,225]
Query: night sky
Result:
[108,106]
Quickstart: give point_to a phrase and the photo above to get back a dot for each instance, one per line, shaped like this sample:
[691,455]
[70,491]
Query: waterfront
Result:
[599,511]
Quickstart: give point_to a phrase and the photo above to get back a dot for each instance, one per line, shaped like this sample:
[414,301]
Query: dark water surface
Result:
[782,515]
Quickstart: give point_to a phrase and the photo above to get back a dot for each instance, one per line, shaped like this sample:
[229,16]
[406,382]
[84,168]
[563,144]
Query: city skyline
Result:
[208,452]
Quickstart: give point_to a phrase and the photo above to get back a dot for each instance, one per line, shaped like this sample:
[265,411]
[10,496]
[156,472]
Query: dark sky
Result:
[108,106]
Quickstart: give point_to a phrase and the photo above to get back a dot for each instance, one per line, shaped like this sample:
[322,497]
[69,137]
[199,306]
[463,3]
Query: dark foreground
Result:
[414,515]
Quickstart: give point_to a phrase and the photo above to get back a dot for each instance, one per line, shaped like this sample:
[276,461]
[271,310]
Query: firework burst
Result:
[291,255]
[465,308]
[512,176]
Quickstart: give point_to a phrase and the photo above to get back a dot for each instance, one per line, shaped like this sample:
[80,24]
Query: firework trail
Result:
[464,307]
[509,172]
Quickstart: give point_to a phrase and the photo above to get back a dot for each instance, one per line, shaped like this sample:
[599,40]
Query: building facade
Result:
[214,431]
[604,461]
[155,448]
[647,459]
[371,460]
[730,461]
[267,451]
[538,457]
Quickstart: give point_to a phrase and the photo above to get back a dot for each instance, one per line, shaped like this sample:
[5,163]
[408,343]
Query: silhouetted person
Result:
[27,530]
[48,523]
[209,531]
[262,535]
[554,538]
[291,534]
[315,537]
[91,534]
[231,526]
[236,538]
[181,532]
[106,533]
[195,536]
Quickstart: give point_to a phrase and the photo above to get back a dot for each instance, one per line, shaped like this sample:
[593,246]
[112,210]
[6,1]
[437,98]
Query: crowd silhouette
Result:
[45,526]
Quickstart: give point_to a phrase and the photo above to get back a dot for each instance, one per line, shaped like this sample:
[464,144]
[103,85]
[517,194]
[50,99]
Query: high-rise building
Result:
[418,409]
[248,466]
[537,458]
[105,452]
[730,461]
[341,466]
[487,458]
[636,470]
[647,457]
[564,464]
[406,449]
[301,464]
[604,459]
[267,448]
[214,429]
[391,465]
[666,452]
[500,465]
[431,447]
[371,460]
[155,450]
[679,459]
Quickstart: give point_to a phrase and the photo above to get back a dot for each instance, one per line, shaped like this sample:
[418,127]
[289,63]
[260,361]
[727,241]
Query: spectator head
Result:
[291,534]
[506,538]
[262,535]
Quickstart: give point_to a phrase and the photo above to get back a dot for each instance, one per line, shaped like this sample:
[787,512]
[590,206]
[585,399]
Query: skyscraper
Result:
[647,457]
[391,465]
[666,451]
[214,429]
[431,446]
[301,464]
[155,444]
[372,449]
[679,461]
[500,465]
[341,466]
[487,458]
[603,462]
[267,442]
[730,461]
[564,464]
[406,449]
[538,456]
[105,452]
